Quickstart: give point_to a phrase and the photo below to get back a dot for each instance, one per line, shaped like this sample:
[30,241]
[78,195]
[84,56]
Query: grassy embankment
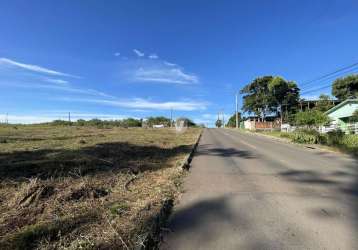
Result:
[347,143]
[84,187]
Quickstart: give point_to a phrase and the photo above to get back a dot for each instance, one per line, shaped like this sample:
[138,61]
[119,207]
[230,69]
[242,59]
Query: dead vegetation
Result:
[87,188]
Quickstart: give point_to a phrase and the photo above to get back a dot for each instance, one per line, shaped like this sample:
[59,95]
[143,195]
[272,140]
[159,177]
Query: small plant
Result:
[119,208]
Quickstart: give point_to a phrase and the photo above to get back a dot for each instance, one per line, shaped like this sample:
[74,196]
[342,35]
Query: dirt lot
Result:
[84,187]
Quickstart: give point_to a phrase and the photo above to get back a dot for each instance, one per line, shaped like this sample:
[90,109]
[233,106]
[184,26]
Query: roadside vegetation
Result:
[335,139]
[87,187]
[275,97]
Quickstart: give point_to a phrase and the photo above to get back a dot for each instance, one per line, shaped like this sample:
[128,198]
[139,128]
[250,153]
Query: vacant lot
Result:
[84,187]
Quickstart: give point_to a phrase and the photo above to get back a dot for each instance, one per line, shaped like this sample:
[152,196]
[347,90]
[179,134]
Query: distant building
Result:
[158,126]
[341,114]
[304,105]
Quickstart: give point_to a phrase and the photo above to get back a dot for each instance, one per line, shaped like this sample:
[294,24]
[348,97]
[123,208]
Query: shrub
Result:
[335,137]
[306,136]
[311,118]
[350,143]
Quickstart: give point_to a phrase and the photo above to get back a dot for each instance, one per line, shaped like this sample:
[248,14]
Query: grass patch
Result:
[72,187]
[336,139]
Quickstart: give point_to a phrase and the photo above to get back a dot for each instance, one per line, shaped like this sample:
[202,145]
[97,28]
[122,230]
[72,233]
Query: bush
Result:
[311,118]
[350,142]
[306,136]
[335,137]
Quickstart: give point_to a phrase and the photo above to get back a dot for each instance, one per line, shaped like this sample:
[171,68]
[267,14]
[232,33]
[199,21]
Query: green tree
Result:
[284,95]
[311,118]
[232,120]
[218,123]
[257,97]
[158,120]
[324,103]
[130,122]
[346,87]
[267,95]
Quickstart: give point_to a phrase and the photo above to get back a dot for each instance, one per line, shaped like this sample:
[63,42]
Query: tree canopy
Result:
[345,87]
[324,103]
[266,95]
[232,120]
[218,123]
[158,120]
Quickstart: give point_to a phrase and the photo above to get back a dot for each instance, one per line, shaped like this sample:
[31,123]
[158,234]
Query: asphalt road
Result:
[248,191]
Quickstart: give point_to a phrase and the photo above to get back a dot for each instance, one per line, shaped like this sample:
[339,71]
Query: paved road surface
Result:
[247,191]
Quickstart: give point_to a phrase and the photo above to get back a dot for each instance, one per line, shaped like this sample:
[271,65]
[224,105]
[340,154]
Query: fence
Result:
[353,128]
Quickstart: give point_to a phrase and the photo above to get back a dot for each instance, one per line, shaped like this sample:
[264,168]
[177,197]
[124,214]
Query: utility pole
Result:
[222,112]
[171,117]
[237,115]
[69,116]
[218,117]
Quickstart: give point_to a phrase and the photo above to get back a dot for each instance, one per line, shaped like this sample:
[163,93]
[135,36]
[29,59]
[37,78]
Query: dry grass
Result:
[83,187]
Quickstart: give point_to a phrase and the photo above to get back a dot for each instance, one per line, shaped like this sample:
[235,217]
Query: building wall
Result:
[345,111]
[249,124]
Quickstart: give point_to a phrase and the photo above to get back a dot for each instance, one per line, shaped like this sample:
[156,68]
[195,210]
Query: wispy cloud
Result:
[138,53]
[139,103]
[56,87]
[164,75]
[33,68]
[56,81]
[153,56]
[117,54]
[169,64]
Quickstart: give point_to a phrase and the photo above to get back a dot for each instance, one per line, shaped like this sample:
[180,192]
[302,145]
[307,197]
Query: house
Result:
[254,123]
[341,114]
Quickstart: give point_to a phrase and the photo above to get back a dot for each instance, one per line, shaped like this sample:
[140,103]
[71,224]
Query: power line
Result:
[316,89]
[335,76]
[349,68]
[327,79]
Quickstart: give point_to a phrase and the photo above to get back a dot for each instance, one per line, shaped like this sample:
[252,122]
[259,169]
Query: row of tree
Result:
[275,96]
[127,123]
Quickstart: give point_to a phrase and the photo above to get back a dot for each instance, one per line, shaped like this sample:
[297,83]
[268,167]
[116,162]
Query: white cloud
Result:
[153,56]
[138,53]
[139,103]
[58,87]
[117,54]
[164,75]
[33,68]
[169,64]
[56,81]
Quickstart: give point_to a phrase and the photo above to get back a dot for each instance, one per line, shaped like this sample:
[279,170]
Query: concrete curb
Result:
[154,237]
[186,163]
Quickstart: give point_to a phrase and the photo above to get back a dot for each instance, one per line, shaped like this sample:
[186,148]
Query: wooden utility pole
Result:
[222,112]
[171,117]
[237,115]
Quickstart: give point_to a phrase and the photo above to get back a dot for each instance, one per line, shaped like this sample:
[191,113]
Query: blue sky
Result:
[114,59]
